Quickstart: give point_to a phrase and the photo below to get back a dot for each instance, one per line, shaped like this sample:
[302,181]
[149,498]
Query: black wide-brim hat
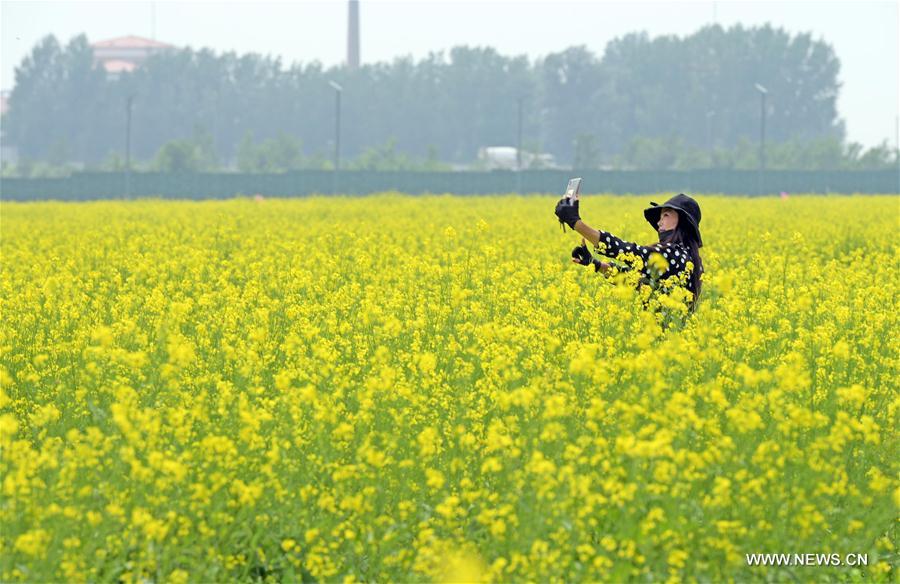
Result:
[688,210]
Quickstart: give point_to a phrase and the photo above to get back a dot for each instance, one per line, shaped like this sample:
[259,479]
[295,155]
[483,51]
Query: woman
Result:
[678,224]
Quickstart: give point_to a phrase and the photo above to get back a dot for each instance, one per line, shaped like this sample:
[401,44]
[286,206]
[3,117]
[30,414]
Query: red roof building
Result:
[117,66]
[125,53]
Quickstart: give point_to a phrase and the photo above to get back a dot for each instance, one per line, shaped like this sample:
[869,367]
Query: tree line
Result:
[663,102]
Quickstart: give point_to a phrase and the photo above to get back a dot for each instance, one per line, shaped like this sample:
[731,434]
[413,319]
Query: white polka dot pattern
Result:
[615,246]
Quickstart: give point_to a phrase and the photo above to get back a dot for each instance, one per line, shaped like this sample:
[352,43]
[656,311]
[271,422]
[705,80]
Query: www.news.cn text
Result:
[831,559]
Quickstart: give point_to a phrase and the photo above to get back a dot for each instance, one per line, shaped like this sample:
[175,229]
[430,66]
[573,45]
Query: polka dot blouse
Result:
[676,254]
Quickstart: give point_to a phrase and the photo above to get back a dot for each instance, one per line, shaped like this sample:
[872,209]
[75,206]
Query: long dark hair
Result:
[684,234]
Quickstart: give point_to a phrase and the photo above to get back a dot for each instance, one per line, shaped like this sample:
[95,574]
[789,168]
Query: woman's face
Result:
[668,219]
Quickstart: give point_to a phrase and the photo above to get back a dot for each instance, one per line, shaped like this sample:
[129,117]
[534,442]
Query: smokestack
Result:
[353,36]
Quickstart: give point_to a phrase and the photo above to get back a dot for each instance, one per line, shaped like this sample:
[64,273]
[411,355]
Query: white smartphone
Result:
[573,190]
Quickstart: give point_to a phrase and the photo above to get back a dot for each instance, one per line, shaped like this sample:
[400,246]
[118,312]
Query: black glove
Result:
[567,212]
[582,254]
[584,257]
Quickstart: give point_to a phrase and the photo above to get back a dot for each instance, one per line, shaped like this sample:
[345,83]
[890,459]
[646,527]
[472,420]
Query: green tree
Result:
[60,152]
[668,86]
[114,162]
[382,157]
[587,154]
[279,154]
[432,163]
[881,157]
[178,156]
[247,158]
[650,153]
[193,154]
[282,153]
[698,88]
[56,100]
[572,101]
[318,161]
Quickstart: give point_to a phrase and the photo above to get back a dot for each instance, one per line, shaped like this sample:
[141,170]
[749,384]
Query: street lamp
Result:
[763,92]
[337,133]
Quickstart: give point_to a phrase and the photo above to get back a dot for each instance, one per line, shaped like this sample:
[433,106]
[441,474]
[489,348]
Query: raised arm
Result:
[569,214]
[611,246]
[605,243]
[587,232]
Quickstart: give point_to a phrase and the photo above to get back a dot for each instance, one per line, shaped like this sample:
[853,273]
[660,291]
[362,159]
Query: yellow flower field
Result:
[396,388]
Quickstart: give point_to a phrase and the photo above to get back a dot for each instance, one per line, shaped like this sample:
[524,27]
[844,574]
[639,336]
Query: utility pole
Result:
[337,134]
[129,101]
[519,148]
[897,141]
[763,92]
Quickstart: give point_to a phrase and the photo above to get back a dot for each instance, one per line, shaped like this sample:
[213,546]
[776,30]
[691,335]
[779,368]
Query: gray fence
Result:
[94,185]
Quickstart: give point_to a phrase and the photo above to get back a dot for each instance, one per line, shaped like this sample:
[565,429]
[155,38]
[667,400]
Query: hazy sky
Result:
[864,34]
